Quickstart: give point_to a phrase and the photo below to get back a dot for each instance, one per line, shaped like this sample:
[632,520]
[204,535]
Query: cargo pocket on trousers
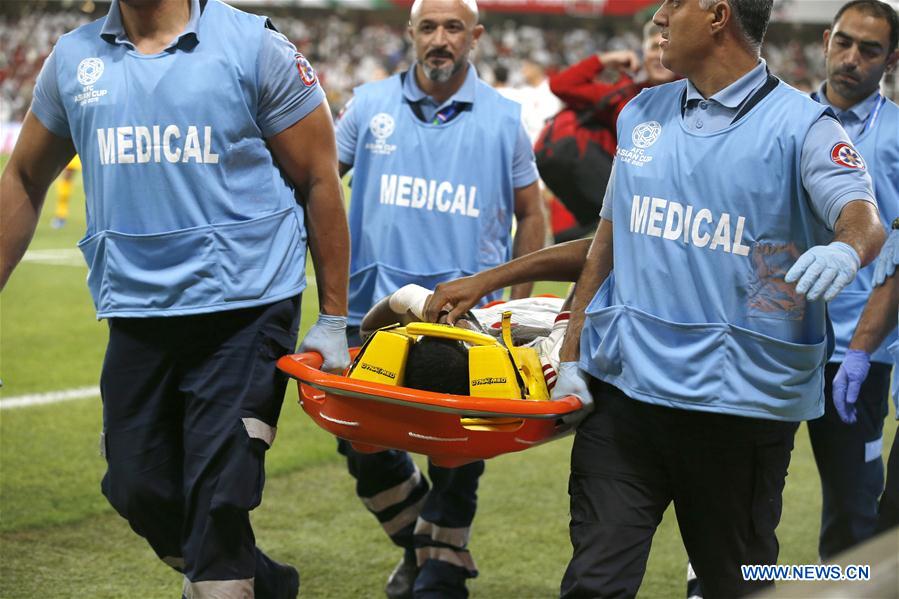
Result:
[243,477]
[274,343]
[771,463]
[267,384]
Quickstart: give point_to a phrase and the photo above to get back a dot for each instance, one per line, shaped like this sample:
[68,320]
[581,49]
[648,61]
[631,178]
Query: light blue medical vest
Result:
[430,202]
[879,147]
[696,314]
[186,211]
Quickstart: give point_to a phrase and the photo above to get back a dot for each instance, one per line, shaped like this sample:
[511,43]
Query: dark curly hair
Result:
[439,365]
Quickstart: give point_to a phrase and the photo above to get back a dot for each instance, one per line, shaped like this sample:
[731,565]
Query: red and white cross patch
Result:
[845,155]
[307,73]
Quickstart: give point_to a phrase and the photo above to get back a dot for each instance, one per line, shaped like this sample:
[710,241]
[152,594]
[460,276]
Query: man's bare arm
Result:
[879,317]
[381,315]
[36,161]
[307,152]
[562,262]
[859,226]
[596,269]
[531,229]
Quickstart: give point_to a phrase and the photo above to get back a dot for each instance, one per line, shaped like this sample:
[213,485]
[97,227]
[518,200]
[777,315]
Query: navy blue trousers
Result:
[889,501]
[725,475]
[849,462]
[189,409]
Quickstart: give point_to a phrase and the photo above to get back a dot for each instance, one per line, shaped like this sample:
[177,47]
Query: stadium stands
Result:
[351,48]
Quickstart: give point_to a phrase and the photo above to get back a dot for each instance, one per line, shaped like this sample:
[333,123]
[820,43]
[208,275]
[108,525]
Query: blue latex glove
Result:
[573,381]
[848,382]
[887,259]
[824,269]
[328,338]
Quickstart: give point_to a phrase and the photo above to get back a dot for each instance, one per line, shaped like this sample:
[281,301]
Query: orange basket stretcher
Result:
[451,430]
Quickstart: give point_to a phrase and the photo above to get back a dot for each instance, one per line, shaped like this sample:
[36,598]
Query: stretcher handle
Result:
[305,368]
[310,359]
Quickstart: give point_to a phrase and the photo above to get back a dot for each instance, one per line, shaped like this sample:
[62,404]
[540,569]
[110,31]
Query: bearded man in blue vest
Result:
[209,163]
[860,47]
[441,165]
[737,208]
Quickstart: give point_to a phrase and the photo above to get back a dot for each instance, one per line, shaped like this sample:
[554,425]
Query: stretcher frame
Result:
[449,429]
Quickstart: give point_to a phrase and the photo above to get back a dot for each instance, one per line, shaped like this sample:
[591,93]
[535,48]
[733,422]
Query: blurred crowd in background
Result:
[351,48]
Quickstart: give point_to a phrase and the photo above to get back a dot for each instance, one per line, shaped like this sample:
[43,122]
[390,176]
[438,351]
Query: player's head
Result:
[693,28]
[652,55]
[444,32]
[860,47]
[439,365]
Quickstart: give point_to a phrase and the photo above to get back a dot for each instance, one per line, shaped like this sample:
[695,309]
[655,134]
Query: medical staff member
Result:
[859,48]
[699,324]
[200,128]
[877,322]
[441,164]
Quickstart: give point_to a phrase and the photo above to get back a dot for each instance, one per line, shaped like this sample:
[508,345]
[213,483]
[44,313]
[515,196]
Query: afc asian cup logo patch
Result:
[89,71]
[646,134]
[382,126]
[304,67]
[845,155]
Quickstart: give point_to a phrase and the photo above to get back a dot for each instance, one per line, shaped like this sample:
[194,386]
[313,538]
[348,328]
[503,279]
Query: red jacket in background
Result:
[579,89]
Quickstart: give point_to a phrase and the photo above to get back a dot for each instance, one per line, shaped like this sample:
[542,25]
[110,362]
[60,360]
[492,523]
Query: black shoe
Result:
[402,579]
[275,580]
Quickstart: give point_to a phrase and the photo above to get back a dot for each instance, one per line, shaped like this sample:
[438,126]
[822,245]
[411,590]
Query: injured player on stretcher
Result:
[441,364]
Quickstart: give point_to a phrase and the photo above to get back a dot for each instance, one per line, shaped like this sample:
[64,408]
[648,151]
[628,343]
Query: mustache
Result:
[439,54]
[851,73]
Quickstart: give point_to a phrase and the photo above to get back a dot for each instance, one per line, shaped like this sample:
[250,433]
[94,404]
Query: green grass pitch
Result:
[59,538]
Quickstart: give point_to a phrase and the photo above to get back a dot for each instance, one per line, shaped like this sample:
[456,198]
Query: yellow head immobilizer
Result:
[494,370]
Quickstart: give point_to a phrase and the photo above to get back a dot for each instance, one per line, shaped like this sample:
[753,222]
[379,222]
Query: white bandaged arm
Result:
[411,298]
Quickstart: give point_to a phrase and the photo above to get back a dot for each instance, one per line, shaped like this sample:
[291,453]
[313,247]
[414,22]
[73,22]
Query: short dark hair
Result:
[753,17]
[878,9]
[439,365]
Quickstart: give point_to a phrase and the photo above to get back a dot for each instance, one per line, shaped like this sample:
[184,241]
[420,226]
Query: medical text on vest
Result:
[424,194]
[678,222]
[155,143]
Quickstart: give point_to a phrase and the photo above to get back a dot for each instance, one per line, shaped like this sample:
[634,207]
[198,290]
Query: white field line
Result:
[65,257]
[39,399]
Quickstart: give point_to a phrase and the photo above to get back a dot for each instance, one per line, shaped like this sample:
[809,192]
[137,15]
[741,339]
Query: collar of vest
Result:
[416,104]
[771,83]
